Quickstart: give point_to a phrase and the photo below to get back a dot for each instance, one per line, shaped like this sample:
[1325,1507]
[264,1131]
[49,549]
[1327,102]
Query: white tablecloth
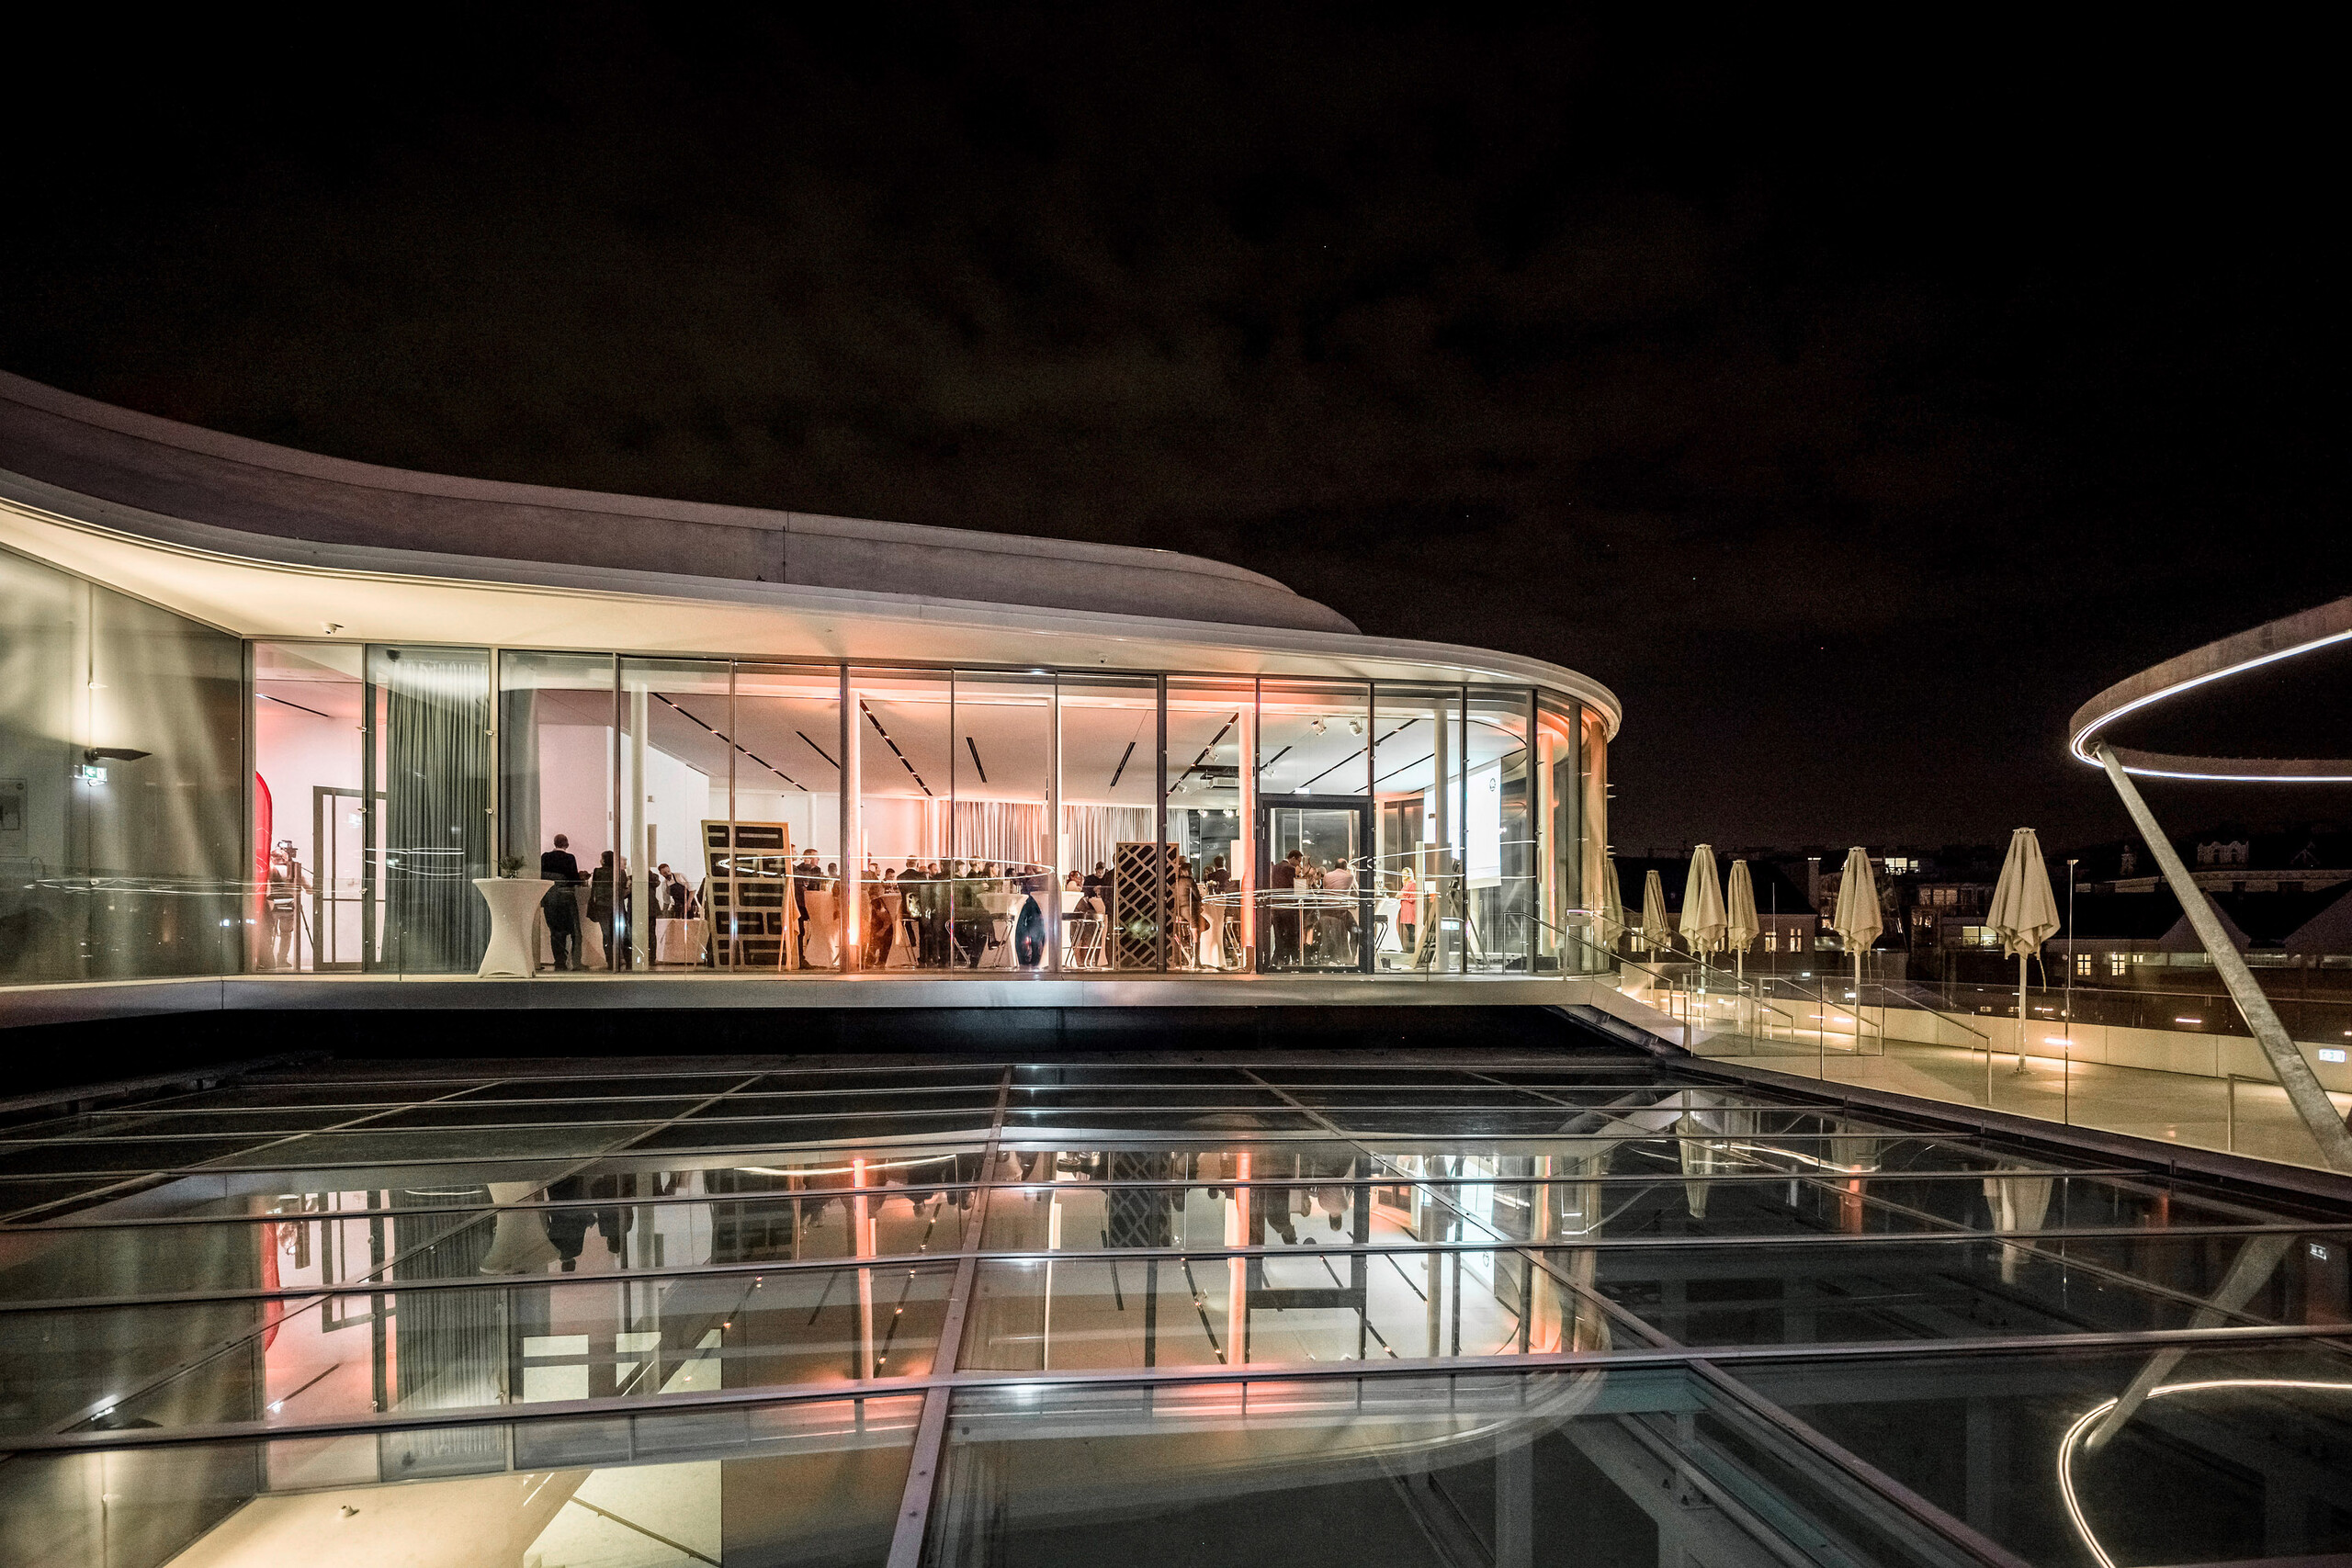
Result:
[677,942]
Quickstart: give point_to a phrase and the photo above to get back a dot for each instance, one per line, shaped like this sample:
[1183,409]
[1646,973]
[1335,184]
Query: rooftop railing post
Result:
[2287,1064]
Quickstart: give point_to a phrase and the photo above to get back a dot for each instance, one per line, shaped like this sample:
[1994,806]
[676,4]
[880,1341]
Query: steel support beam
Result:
[2294,1074]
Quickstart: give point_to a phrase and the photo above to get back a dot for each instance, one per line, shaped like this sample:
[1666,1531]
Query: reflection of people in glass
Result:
[562,905]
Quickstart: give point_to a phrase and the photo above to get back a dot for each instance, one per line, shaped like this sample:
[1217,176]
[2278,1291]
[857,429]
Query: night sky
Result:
[1854,404]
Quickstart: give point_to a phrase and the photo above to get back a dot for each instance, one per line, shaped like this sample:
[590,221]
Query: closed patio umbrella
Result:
[1613,905]
[1740,923]
[2024,913]
[1703,905]
[1857,920]
[1655,930]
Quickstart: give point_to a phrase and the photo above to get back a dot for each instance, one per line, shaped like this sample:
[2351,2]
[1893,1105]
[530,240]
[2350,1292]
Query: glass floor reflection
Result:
[1505,1309]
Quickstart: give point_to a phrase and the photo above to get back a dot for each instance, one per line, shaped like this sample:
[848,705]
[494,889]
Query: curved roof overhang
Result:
[2268,644]
[256,585]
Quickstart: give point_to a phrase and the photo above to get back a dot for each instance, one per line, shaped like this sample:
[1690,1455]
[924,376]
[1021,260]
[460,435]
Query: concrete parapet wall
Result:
[2197,1054]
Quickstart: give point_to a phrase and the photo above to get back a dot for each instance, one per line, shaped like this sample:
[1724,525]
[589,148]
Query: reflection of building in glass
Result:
[273,712]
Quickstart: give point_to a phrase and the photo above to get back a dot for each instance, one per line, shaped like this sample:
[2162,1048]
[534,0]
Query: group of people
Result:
[951,914]
[947,914]
[609,906]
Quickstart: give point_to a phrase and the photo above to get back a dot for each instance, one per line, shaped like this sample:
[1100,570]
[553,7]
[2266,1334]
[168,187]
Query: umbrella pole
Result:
[2020,1013]
[1858,1003]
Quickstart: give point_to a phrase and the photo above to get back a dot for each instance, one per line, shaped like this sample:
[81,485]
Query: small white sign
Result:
[2330,1054]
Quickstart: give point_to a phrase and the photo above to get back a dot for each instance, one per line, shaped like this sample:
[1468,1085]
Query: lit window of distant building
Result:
[2082,964]
[2116,962]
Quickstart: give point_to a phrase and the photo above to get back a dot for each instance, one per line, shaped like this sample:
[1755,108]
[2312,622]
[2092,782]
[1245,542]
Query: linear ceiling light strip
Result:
[737,744]
[894,749]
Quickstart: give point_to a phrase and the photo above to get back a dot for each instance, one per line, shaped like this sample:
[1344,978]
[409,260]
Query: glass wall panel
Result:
[430,781]
[557,789]
[1315,833]
[676,765]
[905,783]
[1416,794]
[1001,775]
[1498,830]
[1111,797]
[1599,867]
[776,912]
[121,786]
[309,819]
[1210,724]
[1559,941]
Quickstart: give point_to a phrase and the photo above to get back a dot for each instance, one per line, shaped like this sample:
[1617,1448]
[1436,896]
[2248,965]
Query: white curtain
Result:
[1094,831]
[1006,832]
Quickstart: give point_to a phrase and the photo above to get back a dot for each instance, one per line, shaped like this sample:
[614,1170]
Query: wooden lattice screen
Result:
[1136,905]
[749,902]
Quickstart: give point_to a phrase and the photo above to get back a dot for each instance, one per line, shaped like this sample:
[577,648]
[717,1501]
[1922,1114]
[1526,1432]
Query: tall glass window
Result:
[1499,830]
[903,746]
[1316,834]
[121,786]
[1559,940]
[1111,797]
[309,819]
[676,765]
[1417,788]
[1000,771]
[777,912]
[1210,827]
[556,739]
[430,767]
[1593,844]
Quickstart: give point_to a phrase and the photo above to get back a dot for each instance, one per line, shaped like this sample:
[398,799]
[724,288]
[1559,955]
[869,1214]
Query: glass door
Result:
[338,820]
[1316,904]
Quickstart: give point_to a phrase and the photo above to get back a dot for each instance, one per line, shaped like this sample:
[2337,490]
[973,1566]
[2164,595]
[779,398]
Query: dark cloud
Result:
[1854,404]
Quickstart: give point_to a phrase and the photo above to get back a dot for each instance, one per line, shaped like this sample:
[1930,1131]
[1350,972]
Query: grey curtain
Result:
[436,789]
[518,776]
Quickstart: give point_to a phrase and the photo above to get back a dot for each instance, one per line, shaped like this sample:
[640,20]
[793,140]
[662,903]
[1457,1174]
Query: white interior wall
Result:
[675,798]
[296,752]
[576,789]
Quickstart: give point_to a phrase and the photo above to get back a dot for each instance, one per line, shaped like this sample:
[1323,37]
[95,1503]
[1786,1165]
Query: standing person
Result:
[1338,922]
[1186,902]
[973,925]
[1408,911]
[288,883]
[1218,883]
[562,905]
[805,875]
[603,909]
[881,923]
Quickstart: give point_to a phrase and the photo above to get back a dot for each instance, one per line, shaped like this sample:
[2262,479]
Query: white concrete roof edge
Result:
[40,502]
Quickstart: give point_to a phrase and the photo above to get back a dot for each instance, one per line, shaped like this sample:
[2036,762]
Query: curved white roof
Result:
[266,542]
[202,476]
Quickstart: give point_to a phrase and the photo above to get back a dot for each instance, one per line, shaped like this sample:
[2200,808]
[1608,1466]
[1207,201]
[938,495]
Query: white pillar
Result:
[847,893]
[640,874]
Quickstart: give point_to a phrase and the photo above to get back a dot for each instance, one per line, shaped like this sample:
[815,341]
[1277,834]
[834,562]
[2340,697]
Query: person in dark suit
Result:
[604,907]
[560,905]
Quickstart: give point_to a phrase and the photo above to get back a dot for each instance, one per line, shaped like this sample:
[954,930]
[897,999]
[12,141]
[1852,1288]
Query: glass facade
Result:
[123,843]
[175,801]
[1541,1300]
